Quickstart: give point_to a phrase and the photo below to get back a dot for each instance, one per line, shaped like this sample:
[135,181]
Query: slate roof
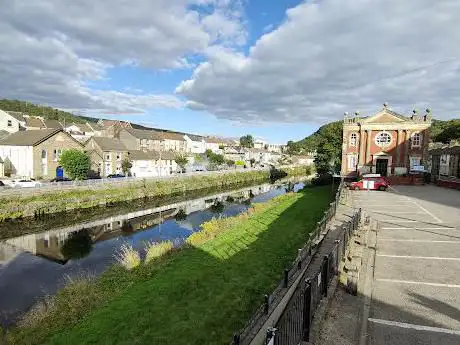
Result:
[29,138]
[144,134]
[109,144]
[3,134]
[17,115]
[52,124]
[194,137]
[173,136]
[34,122]
[213,140]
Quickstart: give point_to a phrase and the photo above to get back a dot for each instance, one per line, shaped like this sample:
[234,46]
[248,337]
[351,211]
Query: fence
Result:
[293,325]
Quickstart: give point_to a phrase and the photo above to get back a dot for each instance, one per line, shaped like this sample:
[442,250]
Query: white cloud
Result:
[52,48]
[332,56]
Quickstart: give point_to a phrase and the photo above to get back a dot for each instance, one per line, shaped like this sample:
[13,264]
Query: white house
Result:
[152,163]
[194,143]
[11,122]
[275,148]
[259,155]
[214,145]
[259,144]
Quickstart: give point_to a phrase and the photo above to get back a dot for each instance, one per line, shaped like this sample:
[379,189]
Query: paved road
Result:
[416,280]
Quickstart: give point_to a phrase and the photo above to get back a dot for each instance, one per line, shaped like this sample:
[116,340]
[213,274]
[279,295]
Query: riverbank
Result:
[198,294]
[59,201]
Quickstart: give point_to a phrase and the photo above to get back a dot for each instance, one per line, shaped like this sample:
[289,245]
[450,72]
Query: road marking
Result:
[417,257]
[417,283]
[416,241]
[416,327]
[417,228]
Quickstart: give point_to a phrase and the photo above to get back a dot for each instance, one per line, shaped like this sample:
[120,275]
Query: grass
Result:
[128,257]
[200,294]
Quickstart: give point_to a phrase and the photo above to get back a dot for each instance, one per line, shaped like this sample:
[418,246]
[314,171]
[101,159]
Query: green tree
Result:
[230,162]
[329,148]
[76,164]
[445,131]
[181,161]
[252,161]
[247,141]
[126,165]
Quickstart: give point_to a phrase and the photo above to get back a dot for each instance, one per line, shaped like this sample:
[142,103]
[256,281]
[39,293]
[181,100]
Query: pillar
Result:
[361,147]
[406,150]
[398,147]
[368,146]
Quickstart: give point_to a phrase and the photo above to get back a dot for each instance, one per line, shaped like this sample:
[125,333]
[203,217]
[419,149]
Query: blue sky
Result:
[274,69]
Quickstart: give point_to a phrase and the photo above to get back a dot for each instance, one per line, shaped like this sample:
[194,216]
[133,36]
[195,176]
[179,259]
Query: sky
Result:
[274,69]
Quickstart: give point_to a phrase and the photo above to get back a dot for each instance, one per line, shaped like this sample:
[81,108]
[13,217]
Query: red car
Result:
[372,182]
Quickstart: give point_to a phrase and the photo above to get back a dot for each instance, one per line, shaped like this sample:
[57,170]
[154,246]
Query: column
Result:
[361,147]
[398,148]
[406,150]
[368,147]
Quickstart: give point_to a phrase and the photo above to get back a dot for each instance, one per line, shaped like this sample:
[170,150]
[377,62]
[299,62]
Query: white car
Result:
[25,184]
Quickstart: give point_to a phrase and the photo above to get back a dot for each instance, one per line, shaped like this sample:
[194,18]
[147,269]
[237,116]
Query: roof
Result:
[194,137]
[148,155]
[173,136]
[52,124]
[17,115]
[29,138]
[95,126]
[34,122]
[109,144]
[145,134]
[3,134]
[213,140]
[108,123]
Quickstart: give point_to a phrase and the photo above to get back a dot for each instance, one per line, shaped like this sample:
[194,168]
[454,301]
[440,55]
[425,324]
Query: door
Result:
[59,172]
[381,167]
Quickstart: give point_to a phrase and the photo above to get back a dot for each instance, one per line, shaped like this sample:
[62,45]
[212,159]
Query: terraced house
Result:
[141,139]
[35,154]
[106,155]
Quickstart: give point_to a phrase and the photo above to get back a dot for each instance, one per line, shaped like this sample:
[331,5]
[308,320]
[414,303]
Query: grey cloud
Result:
[333,56]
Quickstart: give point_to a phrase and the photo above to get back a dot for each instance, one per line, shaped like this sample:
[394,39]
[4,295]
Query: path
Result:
[416,277]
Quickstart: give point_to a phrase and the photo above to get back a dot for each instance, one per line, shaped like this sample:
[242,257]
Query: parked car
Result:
[61,179]
[25,183]
[371,182]
[115,176]
[4,185]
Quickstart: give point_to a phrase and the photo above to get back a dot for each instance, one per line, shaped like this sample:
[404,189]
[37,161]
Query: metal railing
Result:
[291,327]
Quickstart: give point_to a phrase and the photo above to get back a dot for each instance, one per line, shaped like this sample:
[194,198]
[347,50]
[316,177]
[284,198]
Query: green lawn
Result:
[198,295]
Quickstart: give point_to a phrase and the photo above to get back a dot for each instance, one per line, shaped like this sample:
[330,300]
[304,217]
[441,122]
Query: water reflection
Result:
[35,265]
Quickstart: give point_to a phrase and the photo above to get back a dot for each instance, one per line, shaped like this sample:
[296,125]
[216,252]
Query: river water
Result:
[36,265]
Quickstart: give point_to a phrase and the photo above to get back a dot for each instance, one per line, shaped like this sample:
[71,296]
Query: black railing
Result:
[305,297]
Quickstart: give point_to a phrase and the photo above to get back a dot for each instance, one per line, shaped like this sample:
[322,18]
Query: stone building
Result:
[385,143]
[106,155]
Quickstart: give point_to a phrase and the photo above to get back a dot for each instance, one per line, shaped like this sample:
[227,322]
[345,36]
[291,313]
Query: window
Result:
[10,123]
[57,154]
[44,154]
[416,140]
[118,156]
[414,161]
[351,163]
[107,156]
[353,139]
[383,139]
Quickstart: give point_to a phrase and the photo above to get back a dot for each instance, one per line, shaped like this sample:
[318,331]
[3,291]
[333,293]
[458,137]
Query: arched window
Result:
[44,154]
[383,139]
[353,139]
[416,140]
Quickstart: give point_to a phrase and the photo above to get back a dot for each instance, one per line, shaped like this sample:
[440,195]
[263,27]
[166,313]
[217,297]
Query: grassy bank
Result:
[56,201]
[199,294]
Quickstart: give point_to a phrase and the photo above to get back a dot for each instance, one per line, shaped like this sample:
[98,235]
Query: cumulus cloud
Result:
[51,49]
[332,56]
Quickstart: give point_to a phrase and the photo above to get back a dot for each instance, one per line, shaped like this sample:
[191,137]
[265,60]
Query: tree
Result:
[329,148]
[76,164]
[78,245]
[247,141]
[252,161]
[230,162]
[181,161]
[126,165]
[217,159]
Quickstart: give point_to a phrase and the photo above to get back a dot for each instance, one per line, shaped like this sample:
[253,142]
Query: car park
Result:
[370,182]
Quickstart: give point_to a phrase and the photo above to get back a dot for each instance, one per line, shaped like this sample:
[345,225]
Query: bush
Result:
[128,257]
[76,164]
[322,180]
[155,250]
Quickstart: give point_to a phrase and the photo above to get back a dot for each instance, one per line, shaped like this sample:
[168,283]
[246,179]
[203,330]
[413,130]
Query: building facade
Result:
[11,122]
[106,155]
[386,143]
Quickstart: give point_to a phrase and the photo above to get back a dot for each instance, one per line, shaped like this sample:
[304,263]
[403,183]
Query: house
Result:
[213,144]
[111,128]
[259,144]
[445,166]
[385,143]
[234,154]
[260,156]
[11,122]
[35,154]
[152,163]
[173,142]
[194,143]
[106,155]
[83,131]
[275,148]
[141,139]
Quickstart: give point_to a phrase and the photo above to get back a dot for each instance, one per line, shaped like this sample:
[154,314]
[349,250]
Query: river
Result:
[36,265]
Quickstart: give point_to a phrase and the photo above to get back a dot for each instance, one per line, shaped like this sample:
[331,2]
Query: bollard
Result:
[307,311]
[286,277]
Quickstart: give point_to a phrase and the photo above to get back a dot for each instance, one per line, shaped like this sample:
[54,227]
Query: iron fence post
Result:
[307,311]
[286,277]
[325,274]
[266,304]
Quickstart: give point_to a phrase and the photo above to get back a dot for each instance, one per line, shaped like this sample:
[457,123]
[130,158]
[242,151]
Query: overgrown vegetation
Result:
[76,163]
[247,141]
[199,294]
[128,257]
[445,131]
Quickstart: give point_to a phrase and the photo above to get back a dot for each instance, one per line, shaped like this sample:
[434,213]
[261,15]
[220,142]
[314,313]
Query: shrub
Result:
[155,250]
[128,257]
[76,164]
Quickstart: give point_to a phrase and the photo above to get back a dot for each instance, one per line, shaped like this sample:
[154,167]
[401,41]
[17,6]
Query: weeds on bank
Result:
[128,257]
[154,250]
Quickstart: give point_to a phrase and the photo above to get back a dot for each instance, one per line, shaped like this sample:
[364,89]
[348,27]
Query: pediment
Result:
[385,116]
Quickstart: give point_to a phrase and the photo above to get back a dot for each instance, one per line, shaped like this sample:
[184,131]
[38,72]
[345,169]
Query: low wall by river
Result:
[20,206]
